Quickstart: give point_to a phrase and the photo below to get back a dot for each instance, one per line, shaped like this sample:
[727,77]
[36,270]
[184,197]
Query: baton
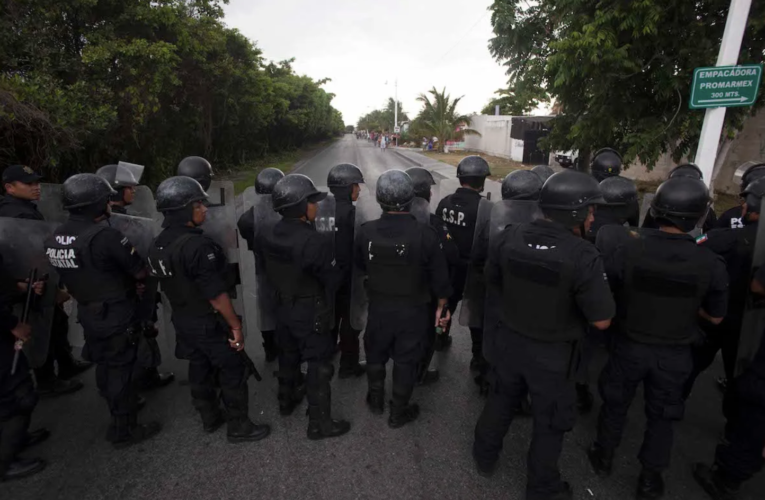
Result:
[24,317]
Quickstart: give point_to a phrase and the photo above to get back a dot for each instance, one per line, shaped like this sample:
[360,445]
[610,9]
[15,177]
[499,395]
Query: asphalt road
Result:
[428,459]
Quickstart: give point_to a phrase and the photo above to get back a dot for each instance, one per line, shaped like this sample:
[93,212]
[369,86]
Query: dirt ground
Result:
[500,167]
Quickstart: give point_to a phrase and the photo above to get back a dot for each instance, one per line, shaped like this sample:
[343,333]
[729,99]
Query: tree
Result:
[509,104]
[620,71]
[383,119]
[440,119]
[349,129]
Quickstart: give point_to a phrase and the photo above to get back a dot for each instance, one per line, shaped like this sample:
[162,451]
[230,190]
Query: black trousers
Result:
[213,366]
[723,337]
[117,374]
[60,350]
[542,369]
[399,333]
[348,337]
[18,400]
[663,371]
[739,456]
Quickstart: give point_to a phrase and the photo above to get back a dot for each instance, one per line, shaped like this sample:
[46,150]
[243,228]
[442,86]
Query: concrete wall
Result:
[495,137]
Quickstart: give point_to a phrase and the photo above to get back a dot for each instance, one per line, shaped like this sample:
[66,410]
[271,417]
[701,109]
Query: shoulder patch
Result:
[211,256]
[701,239]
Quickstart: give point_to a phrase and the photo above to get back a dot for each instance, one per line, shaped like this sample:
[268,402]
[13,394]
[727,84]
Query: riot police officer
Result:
[17,394]
[531,266]
[739,455]
[543,171]
[300,266]
[264,185]
[621,205]
[606,163]
[423,181]
[736,246]
[101,270]
[664,272]
[343,181]
[22,190]
[459,211]
[192,272]
[405,267]
[691,171]
[733,218]
[124,188]
[198,169]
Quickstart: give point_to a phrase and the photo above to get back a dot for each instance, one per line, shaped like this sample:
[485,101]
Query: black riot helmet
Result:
[567,196]
[422,180]
[605,163]
[753,195]
[686,170]
[292,194]
[198,169]
[395,191]
[178,192]
[344,175]
[751,174]
[543,171]
[681,202]
[618,191]
[473,171]
[521,185]
[267,179]
[86,190]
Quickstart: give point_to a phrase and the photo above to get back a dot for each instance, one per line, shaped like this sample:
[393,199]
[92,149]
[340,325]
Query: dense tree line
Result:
[89,82]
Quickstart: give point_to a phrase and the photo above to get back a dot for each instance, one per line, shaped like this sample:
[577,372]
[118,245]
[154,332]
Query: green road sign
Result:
[725,86]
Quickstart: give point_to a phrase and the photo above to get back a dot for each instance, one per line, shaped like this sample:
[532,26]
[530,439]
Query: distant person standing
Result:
[383,142]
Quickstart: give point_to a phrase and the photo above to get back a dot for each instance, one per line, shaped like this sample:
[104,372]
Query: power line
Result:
[462,38]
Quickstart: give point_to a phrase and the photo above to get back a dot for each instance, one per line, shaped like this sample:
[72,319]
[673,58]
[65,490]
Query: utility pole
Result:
[709,142]
[395,107]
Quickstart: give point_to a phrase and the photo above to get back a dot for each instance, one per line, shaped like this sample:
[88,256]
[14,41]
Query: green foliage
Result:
[509,104]
[89,82]
[349,129]
[620,71]
[382,120]
[439,117]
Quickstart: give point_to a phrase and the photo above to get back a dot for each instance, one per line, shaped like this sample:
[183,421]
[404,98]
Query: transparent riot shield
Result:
[471,313]
[144,204]
[367,209]
[492,190]
[753,325]
[127,173]
[51,203]
[421,210]
[22,245]
[645,207]
[325,216]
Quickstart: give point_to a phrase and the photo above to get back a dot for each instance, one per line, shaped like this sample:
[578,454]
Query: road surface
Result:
[429,459]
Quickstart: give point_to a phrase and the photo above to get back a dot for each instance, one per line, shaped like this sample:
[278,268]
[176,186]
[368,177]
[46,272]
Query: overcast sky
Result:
[361,44]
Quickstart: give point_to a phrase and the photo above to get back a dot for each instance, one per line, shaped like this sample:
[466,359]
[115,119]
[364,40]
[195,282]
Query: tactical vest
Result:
[71,255]
[661,299]
[184,295]
[286,275]
[394,265]
[537,295]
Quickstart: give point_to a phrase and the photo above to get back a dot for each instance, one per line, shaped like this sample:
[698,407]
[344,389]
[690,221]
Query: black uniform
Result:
[60,350]
[459,211]
[300,266]
[452,254]
[670,276]
[99,266]
[405,268]
[731,219]
[736,246]
[17,393]
[199,274]
[547,285]
[345,220]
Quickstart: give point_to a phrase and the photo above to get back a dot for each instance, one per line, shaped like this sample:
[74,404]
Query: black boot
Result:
[127,432]
[584,399]
[240,427]
[320,423]
[212,416]
[55,387]
[291,394]
[153,379]
[401,412]
[650,485]
[36,437]
[69,367]
[376,391]
[601,459]
[21,468]
[350,367]
[714,482]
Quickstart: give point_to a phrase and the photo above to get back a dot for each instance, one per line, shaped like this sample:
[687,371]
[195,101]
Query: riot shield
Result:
[492,190]
[257,289]
[128,173]
[367,209]
[22,244]
[471,313]
[645,207]
[140,231]
[421,210]
[753,324]
[325,216]
[144,205]
[51,203]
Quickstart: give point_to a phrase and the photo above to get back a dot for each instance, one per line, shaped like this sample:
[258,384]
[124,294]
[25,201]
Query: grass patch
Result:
[244,175]
[500,167]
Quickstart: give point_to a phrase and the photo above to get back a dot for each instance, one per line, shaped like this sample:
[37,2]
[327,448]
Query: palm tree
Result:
[439,117]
